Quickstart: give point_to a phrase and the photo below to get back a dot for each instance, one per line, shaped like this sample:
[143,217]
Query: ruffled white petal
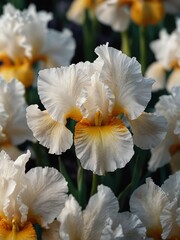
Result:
[123,75]
[48,132]
[37,23]
[12,95]
[167,107]
[17,128]
[168,217]
[147,203]
[103,148]
[157,72]
[6,165]
[45,194]
[148,130]
[101,206]
[71,220]
[113,15]
[166,48]
[160,155]
[96,98]
[133,229]
[172,180]
[59,89]
[109,234]
[59,47]
[11,40]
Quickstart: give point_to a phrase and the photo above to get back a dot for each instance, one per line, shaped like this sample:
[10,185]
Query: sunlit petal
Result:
[59,89]
[157,72]
[113,15]
[48,190]
[132,92]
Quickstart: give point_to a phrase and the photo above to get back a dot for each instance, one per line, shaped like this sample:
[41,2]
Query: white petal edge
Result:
[148,130]
[50,133]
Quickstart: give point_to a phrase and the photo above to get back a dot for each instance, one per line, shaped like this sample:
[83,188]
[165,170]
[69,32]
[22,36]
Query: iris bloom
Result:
[168,151]
[26,40]
[158,207]
[102,97]
[117,13]
[13,125]
[167,53]
[36,197]
[100,220]
[76,12]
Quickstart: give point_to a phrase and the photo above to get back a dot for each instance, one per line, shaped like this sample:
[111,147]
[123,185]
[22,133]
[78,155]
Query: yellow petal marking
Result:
[24,73]
[14,231]
[85,128]
[147,12]
[74,114]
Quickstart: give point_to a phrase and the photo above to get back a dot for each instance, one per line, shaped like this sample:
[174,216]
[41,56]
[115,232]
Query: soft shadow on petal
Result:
[48,132]
[147,203]
[148,130]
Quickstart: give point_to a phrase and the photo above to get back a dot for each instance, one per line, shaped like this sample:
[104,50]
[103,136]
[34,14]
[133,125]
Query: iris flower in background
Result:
[158,207]
[168,151]
[76,12]
[35,197]
[167,53]
[104,98]
[25,40]
[13,125]
[119,13]
[100,219]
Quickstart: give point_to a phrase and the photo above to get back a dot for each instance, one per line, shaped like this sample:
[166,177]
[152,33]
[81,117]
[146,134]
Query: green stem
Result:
[62,169]
[123,196]
[143,48]
[125,43]
[89,35]
[81,182]
[95,181]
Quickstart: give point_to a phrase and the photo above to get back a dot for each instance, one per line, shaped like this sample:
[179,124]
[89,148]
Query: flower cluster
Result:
[158,207]
[35,197]
[102,151]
